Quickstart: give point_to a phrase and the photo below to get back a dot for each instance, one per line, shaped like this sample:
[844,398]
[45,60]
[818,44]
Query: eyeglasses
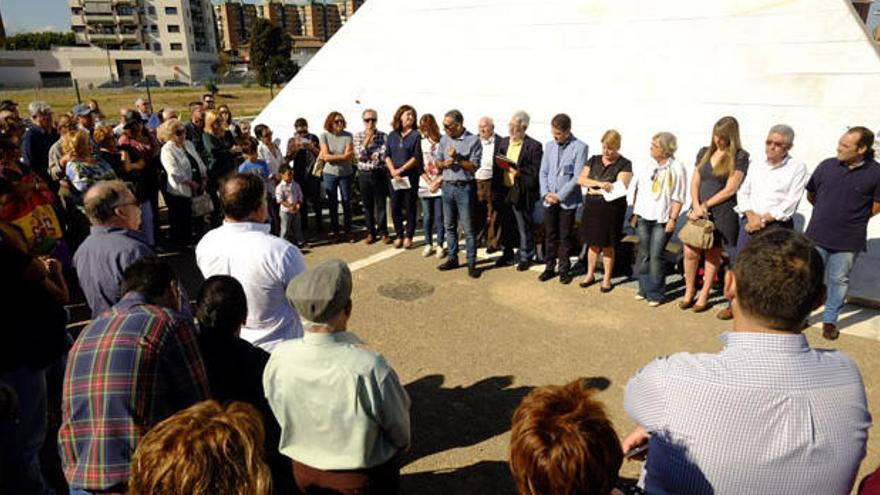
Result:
[369,120]
[450,126]
[180,132]
[778,144]
[339,121]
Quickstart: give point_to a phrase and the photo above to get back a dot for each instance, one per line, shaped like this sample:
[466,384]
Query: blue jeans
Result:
[526,234]
[652,244]
[838,264]
[432,220]
[331,183]
[457,207]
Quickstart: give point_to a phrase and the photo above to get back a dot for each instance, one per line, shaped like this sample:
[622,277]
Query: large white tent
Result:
[637,66]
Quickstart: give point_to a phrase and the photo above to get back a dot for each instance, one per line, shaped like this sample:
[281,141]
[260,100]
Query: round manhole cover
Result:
[406,289]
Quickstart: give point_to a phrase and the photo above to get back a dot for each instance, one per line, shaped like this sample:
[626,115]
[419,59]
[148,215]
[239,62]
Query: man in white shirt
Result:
[343,413]
[485,214]
[768,414]
[770,193]
[264,264]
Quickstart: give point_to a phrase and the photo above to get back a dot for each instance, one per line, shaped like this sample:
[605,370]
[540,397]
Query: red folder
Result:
[502,161]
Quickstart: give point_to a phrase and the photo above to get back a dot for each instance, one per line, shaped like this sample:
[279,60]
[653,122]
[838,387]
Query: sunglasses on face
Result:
[180,132]
[778,144]
[339,121]
[368,119]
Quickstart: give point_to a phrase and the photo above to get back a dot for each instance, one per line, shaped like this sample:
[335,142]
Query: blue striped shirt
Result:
[768,414]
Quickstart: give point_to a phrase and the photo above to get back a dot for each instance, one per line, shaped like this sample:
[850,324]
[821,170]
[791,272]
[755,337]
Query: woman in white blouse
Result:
[186,178]
[660,192]
[274,158]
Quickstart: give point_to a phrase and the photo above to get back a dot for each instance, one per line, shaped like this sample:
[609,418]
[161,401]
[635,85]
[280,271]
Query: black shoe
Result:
[547,275]
[504,261]
[522,266]
[565,278]
[491,250]
[606,290]
[473,271]
[450,264]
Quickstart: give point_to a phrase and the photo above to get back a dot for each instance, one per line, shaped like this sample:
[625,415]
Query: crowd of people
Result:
[156,394]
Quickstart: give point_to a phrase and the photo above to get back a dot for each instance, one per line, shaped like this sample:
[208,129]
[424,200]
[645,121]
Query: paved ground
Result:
[469,350]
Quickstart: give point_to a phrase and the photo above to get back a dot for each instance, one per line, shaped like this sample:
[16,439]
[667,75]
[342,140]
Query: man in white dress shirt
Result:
[264,264]
[485,213]
[770,193]
[768,414]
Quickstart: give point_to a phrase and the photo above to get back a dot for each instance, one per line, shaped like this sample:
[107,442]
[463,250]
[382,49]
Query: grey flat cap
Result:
[320,293]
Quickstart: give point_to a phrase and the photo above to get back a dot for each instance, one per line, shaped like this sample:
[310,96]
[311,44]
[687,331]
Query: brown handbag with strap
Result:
[699,233]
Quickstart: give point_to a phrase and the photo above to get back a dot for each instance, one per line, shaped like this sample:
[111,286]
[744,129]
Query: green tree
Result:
[270,55]
[37,41]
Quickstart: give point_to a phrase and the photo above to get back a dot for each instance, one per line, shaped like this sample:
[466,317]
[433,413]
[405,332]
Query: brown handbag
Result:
[699,233]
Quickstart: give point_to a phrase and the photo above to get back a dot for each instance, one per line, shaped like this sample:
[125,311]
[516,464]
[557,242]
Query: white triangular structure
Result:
[637,66]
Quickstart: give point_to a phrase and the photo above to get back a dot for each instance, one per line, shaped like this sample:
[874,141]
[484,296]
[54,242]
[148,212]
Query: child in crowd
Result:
[253,165]
[289,197]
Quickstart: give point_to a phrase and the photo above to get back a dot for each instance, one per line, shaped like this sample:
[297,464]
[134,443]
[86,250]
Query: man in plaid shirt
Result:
[133,366]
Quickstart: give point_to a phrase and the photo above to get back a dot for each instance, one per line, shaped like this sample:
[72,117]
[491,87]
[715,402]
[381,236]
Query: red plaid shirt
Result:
[133,366]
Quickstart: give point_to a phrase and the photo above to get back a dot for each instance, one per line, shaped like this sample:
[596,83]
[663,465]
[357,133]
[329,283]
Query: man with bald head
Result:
[264,264]
[113,244]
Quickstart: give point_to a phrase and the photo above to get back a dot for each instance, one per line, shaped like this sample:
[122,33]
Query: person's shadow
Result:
[446,418]
[480,478]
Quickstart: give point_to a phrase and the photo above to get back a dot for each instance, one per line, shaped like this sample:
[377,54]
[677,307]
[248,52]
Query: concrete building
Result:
[234,20]
[167,39]
[319,19]
[283,14]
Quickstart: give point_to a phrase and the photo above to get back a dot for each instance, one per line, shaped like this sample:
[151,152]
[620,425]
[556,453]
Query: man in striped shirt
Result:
[133,366]
[768,414]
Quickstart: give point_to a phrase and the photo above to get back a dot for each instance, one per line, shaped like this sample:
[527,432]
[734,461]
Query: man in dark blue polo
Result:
[845,194]
[564,158]
[113,244]
[39,137]
[458,154]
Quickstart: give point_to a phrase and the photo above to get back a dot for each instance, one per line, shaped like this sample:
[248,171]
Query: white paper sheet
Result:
[618,190]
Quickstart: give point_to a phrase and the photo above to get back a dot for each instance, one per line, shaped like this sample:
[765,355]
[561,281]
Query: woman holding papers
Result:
[429,188]
[720,169]
[403,157]
[605,178]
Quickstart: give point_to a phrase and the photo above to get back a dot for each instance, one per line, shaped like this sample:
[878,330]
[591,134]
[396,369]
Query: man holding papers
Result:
[517,161]
[606,178]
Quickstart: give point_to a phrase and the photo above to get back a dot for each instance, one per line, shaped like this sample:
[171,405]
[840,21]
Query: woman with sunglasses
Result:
[403,157]
[660,192]
[337,151]
[187,176]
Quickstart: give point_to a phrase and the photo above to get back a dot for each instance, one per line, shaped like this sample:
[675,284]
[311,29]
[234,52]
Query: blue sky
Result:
[39,15]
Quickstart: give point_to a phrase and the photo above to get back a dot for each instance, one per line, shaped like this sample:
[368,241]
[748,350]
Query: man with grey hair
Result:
[343,413]
[770,193]
[145,109]
[113,244]
[458,155]
[486,222]
[518,190]
[38,139]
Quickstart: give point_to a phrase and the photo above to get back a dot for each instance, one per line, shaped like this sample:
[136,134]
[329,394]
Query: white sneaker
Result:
[639,297]
[428,251]
[653,304]
[441,253]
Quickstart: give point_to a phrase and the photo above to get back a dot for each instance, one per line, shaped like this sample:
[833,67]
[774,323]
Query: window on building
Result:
[170,10]
[157,47]
[173,28]
[177,46]
[151,10]
[154,29]
[76,10]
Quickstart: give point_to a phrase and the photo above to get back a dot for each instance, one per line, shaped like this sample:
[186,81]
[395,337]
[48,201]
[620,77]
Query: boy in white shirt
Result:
[289,197]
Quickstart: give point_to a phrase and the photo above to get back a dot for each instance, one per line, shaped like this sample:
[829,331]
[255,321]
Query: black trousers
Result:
[404,206]
[374,191]
[557,231]
[180,218]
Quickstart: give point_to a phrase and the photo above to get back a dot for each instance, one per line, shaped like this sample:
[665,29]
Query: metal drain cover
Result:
[406,289]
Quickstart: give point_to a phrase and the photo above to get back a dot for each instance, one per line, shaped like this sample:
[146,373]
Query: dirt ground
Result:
[469,350]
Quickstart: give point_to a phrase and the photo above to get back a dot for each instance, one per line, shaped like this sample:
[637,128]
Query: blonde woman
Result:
[719,171]
[602,220]
[660,192]
[220,149]
[186,178]
[83,170]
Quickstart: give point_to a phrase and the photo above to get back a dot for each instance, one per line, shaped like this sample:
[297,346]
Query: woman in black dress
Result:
[718,173]
[602,220]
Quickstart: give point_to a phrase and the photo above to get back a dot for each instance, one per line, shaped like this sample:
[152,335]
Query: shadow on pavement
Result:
[480,478]
[447,418]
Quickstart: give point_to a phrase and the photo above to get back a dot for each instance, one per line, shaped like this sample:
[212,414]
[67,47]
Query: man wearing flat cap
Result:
[84,118]
[343,413]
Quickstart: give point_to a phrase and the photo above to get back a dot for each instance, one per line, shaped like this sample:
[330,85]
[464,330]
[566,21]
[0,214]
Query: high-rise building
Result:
[320,19]
[349,7]
[234,20]
[282,14]
[149,34]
